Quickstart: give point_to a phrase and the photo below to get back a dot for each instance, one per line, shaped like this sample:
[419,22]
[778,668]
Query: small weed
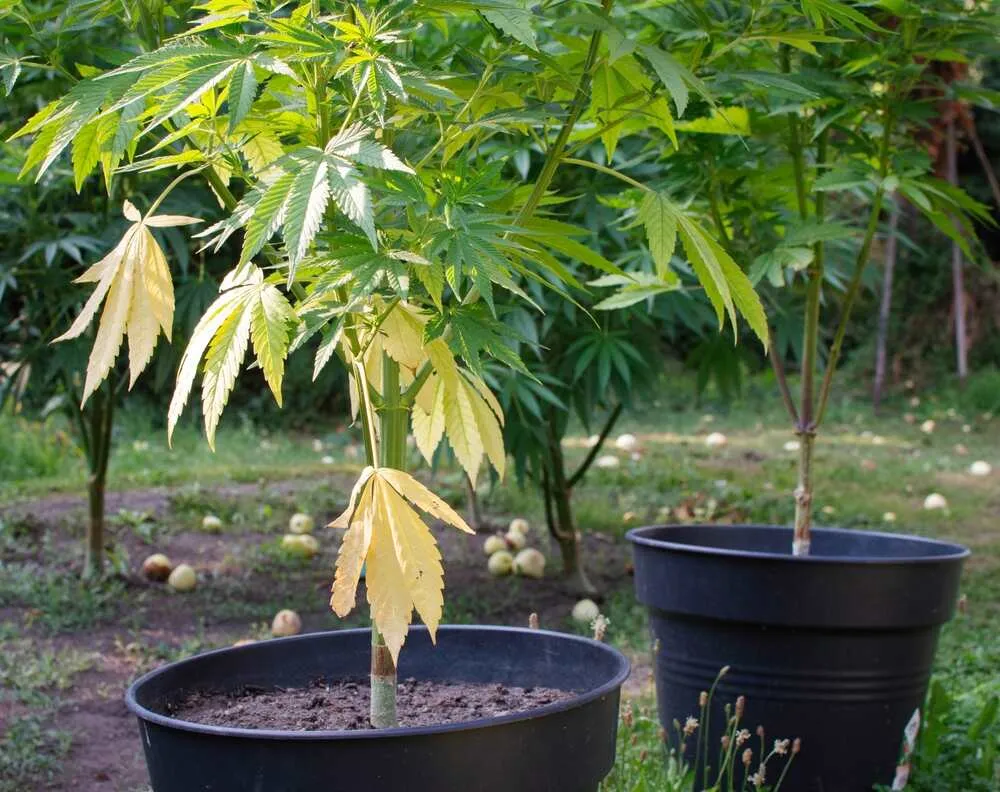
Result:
[141,523]
[30,754]
[29,672]
[958,747]
[57,599]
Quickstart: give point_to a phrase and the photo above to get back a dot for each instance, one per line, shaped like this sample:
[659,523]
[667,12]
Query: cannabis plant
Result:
[817,127]
[360,156]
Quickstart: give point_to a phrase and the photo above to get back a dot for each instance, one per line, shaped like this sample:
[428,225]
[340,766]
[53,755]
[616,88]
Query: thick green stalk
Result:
[101,421]
[392,423]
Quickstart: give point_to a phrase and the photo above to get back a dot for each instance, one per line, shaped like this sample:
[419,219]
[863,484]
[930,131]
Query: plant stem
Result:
[851,297]
[563,528]
[580,99]
[810,343]
[392,420]
[609,424]
[101,417]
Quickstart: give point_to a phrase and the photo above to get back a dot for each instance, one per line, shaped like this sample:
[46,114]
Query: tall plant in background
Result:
[581,367]
[45,237]
[815,125]
[377,224]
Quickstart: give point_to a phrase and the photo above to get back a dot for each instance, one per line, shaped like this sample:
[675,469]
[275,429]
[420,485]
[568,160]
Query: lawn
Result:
[67,653]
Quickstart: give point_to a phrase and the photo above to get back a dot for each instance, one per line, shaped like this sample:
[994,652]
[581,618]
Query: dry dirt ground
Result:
[97,648]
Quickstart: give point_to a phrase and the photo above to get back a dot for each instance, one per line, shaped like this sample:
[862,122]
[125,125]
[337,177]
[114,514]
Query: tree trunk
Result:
[101,422]
[561,525]
[885,308]
[957,274]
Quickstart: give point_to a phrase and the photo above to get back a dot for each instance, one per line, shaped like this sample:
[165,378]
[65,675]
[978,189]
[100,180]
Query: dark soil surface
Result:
[344,705]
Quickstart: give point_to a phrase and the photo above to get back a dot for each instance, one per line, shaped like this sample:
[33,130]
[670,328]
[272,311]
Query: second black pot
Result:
[564,747]
[835,648]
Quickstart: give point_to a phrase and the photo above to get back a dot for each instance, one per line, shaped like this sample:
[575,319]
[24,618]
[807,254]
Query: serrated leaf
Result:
[463,431]
[86,152]
[402,332]
[270,320]
[353,551]
[673,76]
[388,595]
[403,562]
[242,92]
[423,498]
[355,144]
[353,199]
[488,428]
[303,211]
[658,214]
[722,121]
[209,324]
[223,361]
[428,424]
[515,21]
[140,300]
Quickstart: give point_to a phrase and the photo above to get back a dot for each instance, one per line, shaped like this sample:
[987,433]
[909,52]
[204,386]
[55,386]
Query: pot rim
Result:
[622,672]
[957,552]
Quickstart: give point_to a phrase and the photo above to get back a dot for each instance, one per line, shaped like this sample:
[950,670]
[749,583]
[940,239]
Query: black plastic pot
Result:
[563,747]
[835,648]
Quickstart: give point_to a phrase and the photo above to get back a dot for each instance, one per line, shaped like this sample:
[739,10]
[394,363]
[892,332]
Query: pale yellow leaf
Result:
[428,426]
[142,324]
[130,212]
[114,318]
[421,497]
[463,429]
[202,336]
[103,272]
[402,333]
[489,429]
[353,550]
[261,152]
[417,553]
[388,596]
[373,363]
[159,288]
[443,361]
[487,394]
[169,221]
[223,362]
[427,395]
[345,517]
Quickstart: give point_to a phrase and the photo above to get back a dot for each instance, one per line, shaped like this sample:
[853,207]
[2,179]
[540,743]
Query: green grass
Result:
[30,753]
[57,600]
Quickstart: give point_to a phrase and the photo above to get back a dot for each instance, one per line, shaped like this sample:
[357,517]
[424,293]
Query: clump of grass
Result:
[57,599]
[33,449]
[30,673]
[30,754]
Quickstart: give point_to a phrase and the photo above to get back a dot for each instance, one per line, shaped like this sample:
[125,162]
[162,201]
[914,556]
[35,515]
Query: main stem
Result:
[101,417]
[392,451]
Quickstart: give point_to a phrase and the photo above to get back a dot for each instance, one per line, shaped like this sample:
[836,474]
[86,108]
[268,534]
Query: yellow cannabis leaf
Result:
[457,403]
[140,299]
[452,402]
[403,562]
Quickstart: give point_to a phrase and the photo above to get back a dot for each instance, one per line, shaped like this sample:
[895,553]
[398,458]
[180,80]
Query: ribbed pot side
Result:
[835,648]
[568,746]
